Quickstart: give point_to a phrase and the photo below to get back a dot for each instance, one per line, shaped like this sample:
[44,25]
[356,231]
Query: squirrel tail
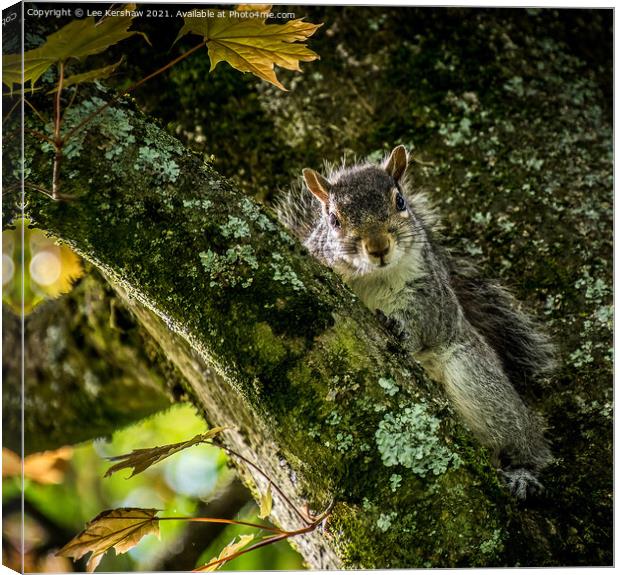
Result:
[525,351]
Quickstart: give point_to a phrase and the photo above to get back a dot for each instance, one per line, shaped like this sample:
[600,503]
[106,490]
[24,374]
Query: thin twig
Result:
[273,539]
[39,189]
[48,193]
[70,101]
[40,136]
[57,137]
[11,110]
[280,492]
[130,89]
[262,543]
[35,111]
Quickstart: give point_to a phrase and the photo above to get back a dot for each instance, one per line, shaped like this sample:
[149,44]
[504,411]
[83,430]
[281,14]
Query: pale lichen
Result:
[285,274]
[228,269]
[410,438]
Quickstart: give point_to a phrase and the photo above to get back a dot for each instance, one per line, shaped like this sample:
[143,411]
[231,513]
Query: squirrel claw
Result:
[395,326]
[522,483]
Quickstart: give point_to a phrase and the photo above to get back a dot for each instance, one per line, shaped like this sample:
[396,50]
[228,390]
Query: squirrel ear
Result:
[317,184]
[396,164]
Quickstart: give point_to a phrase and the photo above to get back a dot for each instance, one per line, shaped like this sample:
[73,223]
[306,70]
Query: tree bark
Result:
[276,348]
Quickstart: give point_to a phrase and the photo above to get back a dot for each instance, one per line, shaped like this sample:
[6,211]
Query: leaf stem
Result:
[227,521]
[39,189]
[263,543]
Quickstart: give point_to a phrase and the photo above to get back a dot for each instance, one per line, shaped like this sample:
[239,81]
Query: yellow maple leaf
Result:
[78,40]
[266,503]
[120,529]
[261,8]
[251,45]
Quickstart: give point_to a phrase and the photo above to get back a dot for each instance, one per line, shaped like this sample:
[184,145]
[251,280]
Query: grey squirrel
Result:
[467,332]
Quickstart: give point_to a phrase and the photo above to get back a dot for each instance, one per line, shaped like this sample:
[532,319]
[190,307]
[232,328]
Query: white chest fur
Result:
[383,288]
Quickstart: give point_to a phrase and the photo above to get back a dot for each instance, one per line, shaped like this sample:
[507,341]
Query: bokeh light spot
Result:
[45,268]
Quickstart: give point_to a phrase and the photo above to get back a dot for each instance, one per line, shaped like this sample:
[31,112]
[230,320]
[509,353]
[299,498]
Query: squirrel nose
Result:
[377,246]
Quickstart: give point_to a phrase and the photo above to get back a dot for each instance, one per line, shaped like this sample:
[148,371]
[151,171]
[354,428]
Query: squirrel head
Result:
[366,213]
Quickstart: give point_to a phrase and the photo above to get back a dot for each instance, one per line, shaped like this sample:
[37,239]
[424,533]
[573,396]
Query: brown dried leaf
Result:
[121,529]
[141,459]
[47,467]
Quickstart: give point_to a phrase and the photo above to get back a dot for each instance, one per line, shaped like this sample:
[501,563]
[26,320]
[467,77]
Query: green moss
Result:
[114,124]
[507,107]
[494,544]
[198,204]
[271,349]
[395,481]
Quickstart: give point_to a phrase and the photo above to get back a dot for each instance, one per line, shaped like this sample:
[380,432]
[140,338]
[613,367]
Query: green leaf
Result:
[90,76]
[34,67]
[78,39]
[253,46]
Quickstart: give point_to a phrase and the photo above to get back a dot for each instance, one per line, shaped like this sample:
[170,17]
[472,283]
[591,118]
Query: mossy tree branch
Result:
[275,347]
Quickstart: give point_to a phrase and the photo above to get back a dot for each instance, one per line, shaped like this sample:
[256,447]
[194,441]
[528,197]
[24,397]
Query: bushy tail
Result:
[298,211]
[525,351]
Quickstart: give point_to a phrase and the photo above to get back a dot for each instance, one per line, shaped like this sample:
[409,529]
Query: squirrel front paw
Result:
[395,326]
[521,482]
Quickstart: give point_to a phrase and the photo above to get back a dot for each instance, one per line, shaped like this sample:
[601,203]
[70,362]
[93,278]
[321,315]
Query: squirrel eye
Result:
[401,205]
[334,222]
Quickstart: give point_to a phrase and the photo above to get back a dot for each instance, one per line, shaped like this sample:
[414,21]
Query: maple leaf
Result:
[120,529]
[251,45]
[78,39]
[261,8]
[227,553]
[90,76]
[141,459]
[266,503]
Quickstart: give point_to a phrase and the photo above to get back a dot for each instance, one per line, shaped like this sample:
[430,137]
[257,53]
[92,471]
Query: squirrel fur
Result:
[467,332]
